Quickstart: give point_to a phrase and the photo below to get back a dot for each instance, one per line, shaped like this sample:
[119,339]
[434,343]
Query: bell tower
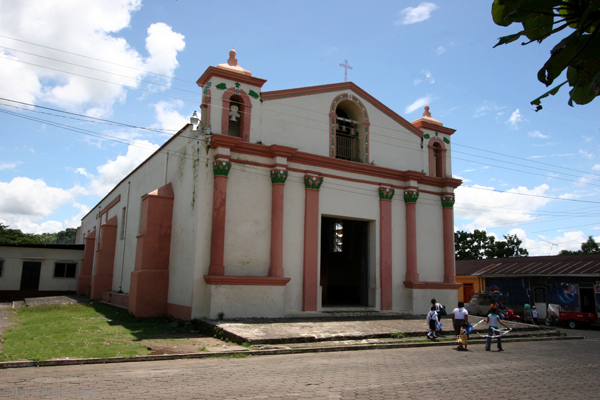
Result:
[229,93]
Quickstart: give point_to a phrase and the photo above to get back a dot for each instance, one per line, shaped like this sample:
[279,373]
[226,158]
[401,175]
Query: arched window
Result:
[235,117]
[237,111]
[437,158]
[349,130]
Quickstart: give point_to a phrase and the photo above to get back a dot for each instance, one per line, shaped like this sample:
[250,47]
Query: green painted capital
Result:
[411,196]
[278,176]
[448,201]
[386,193]
[221,167]
[312,182]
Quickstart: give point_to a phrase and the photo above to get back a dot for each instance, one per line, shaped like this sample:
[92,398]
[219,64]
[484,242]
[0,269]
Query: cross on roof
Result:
[346,68]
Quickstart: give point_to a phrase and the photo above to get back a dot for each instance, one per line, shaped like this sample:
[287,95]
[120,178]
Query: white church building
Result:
[279,203]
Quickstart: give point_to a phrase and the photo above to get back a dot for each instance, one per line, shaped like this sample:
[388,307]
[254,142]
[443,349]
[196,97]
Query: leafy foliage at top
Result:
[478,245]
[578,52]
[589,247]
[15,236]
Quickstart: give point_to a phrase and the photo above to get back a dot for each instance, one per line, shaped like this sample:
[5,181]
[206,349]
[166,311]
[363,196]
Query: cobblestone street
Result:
[532,370]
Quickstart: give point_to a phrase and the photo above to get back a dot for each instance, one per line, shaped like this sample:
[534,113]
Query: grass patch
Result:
[80,331]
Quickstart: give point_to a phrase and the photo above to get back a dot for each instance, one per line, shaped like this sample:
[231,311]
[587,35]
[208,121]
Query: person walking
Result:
[432,322]
[460,316]
[493,319]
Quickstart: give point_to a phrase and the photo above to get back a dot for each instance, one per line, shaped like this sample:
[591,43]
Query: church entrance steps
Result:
[324,331]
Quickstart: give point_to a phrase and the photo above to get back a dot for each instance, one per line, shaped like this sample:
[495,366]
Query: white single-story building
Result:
[282,202]
[34,270]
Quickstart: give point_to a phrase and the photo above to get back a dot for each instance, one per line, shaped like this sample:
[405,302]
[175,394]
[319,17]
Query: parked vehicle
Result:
[565,314]
[481,301]
[510,315]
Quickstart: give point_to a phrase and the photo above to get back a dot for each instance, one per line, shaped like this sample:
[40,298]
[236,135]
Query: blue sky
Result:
[135,63]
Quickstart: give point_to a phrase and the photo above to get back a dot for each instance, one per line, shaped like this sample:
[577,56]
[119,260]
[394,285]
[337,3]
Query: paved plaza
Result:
[527,370]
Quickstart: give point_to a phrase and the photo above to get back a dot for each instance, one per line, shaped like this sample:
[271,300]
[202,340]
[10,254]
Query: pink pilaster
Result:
[278,178]
[448,221]
[149,289]
[84,282]
[311,243]
[410,199]
[385,246]
[105,259]
[217,248]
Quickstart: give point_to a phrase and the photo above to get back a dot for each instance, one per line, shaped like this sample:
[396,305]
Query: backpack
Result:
[442,310]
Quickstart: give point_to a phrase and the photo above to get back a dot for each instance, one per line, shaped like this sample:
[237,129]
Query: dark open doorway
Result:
[30,277]
[344,262]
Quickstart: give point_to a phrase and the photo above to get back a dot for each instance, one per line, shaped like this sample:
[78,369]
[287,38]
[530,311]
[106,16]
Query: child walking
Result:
[493,319]
[433,322]
[463,338]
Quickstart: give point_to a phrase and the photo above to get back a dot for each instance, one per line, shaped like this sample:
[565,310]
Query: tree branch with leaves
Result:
[578,53]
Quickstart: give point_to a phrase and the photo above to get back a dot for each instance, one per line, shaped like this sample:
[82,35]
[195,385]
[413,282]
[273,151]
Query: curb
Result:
[266,352]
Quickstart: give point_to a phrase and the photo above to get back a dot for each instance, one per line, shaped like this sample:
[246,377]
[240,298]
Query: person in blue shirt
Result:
[493,319]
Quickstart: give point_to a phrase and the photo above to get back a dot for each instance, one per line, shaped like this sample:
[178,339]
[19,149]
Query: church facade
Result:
[277,203]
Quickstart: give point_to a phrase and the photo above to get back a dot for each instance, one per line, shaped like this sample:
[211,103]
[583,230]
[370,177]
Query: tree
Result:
[589,247]
[510,247]
[478,245]
[15,236]
[578,52]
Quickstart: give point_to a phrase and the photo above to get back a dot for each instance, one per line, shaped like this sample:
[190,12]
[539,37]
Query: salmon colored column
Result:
[448,221]
[410,199]
[385,246]
[310,282]
[84,282]
[278,178]
[105,259]
[149,289]
[217,249]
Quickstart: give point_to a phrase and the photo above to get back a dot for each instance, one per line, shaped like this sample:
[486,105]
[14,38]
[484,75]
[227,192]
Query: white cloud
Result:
[596,167]
[24,203]
[8,165]
[167,116]
[412,15]
[111,173]
[585,154]
[485,209]
[488,108]
[75,221]
[515,119]
[163,44]
[418,104]
[25,196]
[537,135]
[440,50]
[89,31]
[425,76]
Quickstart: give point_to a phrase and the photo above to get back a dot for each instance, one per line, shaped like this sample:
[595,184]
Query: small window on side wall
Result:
[1,267]
[65,269]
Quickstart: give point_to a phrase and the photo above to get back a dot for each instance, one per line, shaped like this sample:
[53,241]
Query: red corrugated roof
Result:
[579,265]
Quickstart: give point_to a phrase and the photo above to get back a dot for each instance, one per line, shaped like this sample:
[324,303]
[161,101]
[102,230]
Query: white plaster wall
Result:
[293,240]
[13,267]
[301,122]
[392,145]
[246,301]
[189,167]
[430,235]
[402,300]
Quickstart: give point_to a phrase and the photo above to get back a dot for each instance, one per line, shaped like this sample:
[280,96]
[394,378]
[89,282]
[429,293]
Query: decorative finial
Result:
[232,60]
[232,64]
[427,113]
